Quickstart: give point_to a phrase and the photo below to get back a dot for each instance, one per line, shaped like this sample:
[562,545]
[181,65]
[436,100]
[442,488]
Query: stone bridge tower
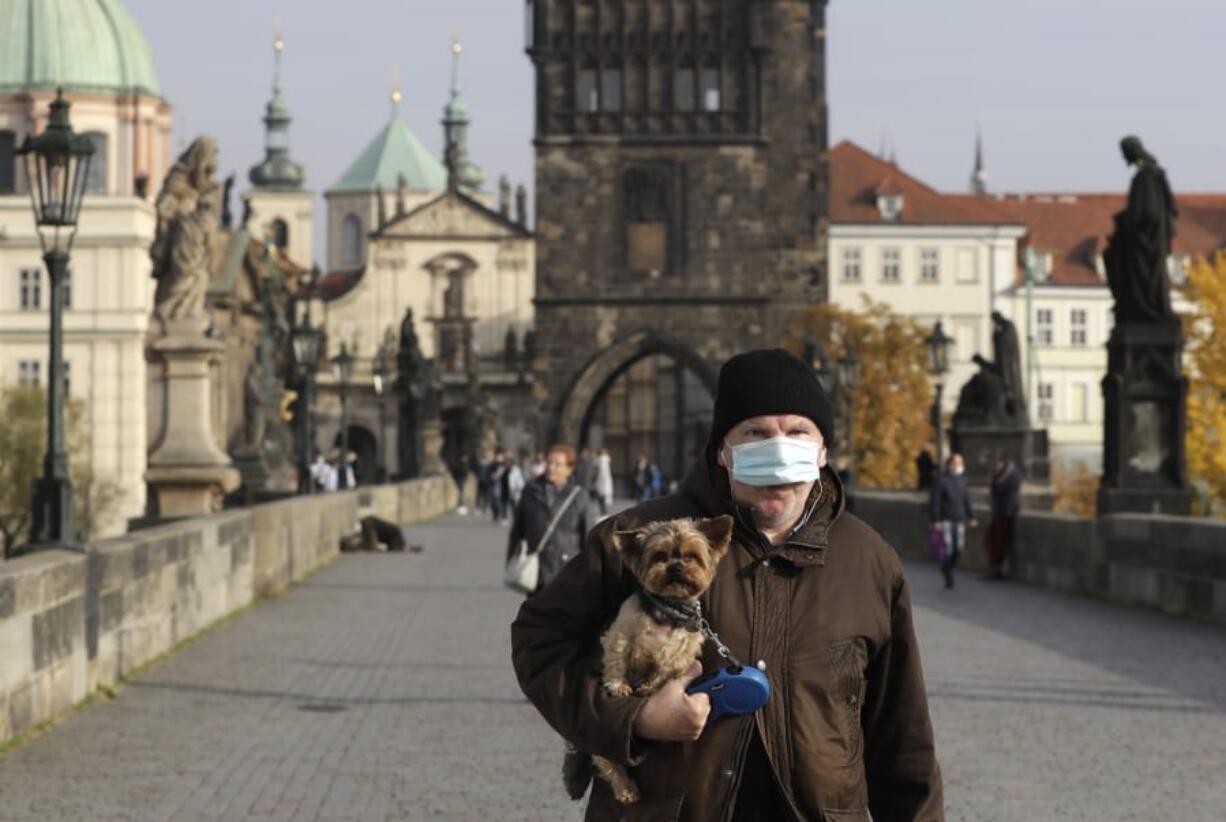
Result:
[681,186]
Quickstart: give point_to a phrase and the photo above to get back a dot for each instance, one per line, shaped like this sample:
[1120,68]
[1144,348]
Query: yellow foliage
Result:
[1206,332]
[891,402]
[1075,488]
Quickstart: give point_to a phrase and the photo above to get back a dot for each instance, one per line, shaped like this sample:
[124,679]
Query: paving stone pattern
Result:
[380,689]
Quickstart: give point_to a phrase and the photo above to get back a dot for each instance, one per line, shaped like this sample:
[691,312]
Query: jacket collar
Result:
[707,486]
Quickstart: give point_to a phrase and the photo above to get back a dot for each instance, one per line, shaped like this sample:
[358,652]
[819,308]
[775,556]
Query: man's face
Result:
[773,506]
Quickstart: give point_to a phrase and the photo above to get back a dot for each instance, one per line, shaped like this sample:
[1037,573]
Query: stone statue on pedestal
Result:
[1145,391]
[996,395]
[185,248]
[420,435]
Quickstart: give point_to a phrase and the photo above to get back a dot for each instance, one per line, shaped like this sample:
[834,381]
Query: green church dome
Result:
[81,45]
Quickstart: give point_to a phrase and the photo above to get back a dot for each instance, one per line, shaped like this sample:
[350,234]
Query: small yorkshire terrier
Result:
[649,643]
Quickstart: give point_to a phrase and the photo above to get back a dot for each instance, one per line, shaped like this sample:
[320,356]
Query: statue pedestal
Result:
[188,473]
[432,449]
[1145,422]
[980,446]
[264,479]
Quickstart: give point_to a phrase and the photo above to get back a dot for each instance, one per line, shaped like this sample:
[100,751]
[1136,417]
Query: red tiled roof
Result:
[1074,228]
[858,176]
[336,284]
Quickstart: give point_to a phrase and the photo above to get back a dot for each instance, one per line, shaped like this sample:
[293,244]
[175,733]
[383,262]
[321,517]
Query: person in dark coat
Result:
[925,467]
[540,501]
[951,512]
[1006,503]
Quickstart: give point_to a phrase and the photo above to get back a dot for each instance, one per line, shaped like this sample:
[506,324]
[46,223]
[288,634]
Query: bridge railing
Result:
[1175,564]
[71,623]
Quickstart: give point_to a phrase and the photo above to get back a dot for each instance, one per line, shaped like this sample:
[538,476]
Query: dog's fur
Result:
[674,560]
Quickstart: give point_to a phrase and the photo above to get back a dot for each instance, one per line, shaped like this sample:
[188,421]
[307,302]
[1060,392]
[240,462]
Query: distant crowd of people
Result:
[326,473]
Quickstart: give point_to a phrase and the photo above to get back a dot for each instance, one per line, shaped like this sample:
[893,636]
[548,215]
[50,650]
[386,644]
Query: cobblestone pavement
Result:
[380,689]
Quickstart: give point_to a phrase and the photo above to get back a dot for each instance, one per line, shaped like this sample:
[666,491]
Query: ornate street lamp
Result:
[57,167]
[380,371]
[304,342]
[848,379]
[342,372]
[938,364]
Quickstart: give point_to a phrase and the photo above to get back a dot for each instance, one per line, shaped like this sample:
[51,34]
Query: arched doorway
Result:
[644,395]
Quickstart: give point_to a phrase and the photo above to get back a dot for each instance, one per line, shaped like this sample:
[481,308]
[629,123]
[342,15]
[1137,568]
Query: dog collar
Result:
[678,613]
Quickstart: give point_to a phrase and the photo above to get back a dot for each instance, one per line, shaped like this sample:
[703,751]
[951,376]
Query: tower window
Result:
[652,214]
[587,95]
[683,90]
[611,89]
[280,233]
[711,89]
[8,162]
[351,240]
[95,182]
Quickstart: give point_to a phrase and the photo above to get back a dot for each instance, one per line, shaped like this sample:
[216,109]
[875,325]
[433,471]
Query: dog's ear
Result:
[718,531]
[629,544]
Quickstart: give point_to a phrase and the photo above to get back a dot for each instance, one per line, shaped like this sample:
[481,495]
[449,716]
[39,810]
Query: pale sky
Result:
[1056,82]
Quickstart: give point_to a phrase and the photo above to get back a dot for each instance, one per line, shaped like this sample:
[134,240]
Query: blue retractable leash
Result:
[735,689]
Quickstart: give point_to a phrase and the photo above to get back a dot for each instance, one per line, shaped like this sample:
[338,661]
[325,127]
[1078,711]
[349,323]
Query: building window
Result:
[930,265]
[1047,401]
[8,162]
[1077,327]
[29,373]
[31,289]
[851,265]
[711,89]
[351,240]
[1044,326]
[891,265]
[683,89]
[280,233]
[652,206]
[611,89]
[95,182]
[1177,267]
[587,93]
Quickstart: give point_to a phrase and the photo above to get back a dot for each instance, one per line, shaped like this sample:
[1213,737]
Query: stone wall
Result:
[1175,564]
[71,623]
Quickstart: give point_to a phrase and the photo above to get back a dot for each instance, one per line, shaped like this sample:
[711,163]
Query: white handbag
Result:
[523,571]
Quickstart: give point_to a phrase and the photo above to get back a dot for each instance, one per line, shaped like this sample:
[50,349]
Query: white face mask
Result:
[958,470]
[776,461]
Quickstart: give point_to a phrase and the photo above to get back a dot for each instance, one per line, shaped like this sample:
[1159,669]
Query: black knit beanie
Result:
[769,381]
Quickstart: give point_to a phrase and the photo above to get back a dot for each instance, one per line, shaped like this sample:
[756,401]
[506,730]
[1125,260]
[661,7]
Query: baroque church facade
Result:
[680,162]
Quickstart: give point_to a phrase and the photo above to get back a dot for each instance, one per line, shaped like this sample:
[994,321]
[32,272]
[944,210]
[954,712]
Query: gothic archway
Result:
[644,394]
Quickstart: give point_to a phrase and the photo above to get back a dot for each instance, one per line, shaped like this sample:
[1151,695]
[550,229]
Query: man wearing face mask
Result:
[951,512]
[807,592]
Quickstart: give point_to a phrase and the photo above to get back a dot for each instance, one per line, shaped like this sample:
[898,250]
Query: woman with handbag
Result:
[551,522]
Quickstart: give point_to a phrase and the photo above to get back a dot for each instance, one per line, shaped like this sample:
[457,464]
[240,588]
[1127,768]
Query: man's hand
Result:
[672,715]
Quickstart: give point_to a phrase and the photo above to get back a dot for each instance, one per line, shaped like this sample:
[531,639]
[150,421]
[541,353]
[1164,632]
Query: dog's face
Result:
[676,558]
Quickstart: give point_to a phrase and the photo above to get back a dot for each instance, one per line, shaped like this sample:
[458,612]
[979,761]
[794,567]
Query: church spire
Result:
[277,171]
[461,172]
[979,177]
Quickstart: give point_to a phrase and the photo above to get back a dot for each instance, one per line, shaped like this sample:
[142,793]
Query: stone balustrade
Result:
[1174,564]
[71,623]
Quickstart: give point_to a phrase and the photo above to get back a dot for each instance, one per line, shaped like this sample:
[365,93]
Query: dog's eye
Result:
[659,556]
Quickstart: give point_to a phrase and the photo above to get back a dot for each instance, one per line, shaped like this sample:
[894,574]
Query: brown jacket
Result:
[846,728]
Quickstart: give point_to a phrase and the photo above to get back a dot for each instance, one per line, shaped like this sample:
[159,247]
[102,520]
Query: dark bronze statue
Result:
[996,395]
[420,398]
[1136,255]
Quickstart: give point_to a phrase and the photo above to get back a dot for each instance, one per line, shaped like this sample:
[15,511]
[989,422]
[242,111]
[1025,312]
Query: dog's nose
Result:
[675,571]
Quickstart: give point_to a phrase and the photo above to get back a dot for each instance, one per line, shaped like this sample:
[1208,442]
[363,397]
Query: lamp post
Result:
[380,373]
[304,340]
[57,167]
[342,371]
[848,378]
[938,364]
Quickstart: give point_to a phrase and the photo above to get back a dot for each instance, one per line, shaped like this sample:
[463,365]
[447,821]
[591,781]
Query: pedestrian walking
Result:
[1006,504]
[604,481]
[497,470]
[950,512]
[808,593]
[642,479]
[515,485]
[925,467]
[555,494]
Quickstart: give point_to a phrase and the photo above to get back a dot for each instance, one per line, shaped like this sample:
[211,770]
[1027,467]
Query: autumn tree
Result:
[23,441]
[890,405]
[1206,333]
